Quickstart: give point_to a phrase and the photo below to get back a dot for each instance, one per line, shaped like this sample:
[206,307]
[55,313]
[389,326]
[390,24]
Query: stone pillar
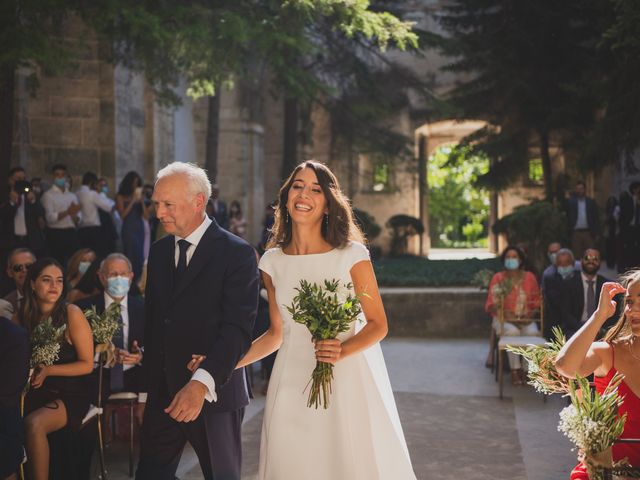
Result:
[129,122]
[252,199]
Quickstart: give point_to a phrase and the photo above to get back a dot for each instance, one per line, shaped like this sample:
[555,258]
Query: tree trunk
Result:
[213,133]
[423,199]
[546,165]
[290,146]
[7,96]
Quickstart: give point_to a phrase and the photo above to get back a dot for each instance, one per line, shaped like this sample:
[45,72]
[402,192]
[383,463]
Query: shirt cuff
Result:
[142,397]
[204,377]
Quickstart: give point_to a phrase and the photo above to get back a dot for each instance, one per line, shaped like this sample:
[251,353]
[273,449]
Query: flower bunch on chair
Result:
[542,372]
[501,289]
[325,311]
[591,422]
[104,326]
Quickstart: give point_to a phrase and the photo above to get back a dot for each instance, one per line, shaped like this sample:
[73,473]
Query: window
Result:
[536,173]
[381,180]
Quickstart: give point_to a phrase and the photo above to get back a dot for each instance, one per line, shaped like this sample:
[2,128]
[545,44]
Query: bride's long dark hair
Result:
[340,227]
[621,331]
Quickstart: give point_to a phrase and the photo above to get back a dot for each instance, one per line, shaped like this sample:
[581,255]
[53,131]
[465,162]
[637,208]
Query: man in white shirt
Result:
[62,213]
[584,220]
[90,228]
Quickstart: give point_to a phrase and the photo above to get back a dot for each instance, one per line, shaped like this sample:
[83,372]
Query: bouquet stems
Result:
[321,379]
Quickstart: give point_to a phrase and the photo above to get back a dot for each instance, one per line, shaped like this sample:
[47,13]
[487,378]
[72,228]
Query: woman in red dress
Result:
[617,353]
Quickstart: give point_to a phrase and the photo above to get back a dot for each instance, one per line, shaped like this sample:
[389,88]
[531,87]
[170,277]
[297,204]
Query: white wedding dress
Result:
[359,437]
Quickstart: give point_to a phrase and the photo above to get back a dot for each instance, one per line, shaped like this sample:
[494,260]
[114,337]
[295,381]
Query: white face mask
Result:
[83,267]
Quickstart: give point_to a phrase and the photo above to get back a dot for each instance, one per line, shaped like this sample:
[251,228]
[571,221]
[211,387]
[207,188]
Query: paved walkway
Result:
[455,425]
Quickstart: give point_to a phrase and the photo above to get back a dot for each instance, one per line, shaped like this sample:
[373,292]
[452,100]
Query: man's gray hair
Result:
[115,256]
[565,251]
[198,180]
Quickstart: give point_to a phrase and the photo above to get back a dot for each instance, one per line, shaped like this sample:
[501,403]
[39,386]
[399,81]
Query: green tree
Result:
[205,42]
[527,68]
[458,210]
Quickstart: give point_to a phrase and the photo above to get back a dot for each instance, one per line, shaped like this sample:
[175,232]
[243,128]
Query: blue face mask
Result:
[105,189]
[118,286]
[565,271]
[552,258]
[83,267]
[61,183]
[511,263]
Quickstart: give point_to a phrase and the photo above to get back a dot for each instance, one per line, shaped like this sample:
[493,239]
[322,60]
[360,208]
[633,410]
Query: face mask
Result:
[61,183]
[117,286]
[511,263]
[105,189]
[565,271]
[83,267]
[552,257]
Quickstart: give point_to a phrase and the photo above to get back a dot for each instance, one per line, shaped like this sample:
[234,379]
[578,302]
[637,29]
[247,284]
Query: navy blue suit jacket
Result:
[211,311]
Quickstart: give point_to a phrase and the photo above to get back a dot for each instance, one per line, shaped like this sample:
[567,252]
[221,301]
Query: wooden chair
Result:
[505,341]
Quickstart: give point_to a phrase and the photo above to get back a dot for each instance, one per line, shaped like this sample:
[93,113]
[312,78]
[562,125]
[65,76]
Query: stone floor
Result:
[455,425]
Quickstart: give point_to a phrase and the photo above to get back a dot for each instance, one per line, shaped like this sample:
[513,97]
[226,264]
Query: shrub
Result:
[411,271]
[367,224]
[534,225]
[402,227]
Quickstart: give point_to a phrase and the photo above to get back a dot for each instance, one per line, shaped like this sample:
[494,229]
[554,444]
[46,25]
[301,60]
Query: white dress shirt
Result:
[201,375]
[90,201]
[581,221]
[19,222]
[55,201]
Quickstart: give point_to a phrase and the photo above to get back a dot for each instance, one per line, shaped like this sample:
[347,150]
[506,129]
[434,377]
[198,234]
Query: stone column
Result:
[252,199]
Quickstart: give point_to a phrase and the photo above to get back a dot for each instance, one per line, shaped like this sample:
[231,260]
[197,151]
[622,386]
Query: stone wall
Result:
[436,312]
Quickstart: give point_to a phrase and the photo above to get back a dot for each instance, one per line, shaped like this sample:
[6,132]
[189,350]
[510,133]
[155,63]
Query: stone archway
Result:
[428,138]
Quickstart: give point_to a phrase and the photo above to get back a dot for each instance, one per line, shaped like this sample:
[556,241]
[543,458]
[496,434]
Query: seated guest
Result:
[552,288]
[517,292]
[14,373]
[60,393]
[583,355]
[116,276]
[18,263]
[88,285]
[580,293]
[552,252]
[78,264]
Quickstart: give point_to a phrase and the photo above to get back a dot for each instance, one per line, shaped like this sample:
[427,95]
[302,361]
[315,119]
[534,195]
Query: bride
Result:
[359,435]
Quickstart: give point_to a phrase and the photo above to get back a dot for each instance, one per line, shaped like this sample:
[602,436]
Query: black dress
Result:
[74,392]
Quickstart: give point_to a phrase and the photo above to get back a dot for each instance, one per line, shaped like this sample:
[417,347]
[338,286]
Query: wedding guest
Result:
[237,223]
[552,288]
[14,372]
[217,209]
[79,263]
[516,292]
[91,201]
[88,285]
[59,393]
[136,231]
[62,213]
[552,251]
[18,264]
[616,353]
[315,238]
[584,222]
[108,232]
[116,277]
[630,226]
[580,293]
[612,235]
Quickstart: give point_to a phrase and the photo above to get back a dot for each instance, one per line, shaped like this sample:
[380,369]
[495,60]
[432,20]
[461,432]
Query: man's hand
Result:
[187,404]
[14,197]
[73,209]
[130,358]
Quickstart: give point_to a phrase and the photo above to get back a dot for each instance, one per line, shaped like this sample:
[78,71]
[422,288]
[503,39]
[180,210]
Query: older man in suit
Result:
[201,298]
[584,221]
[581,292]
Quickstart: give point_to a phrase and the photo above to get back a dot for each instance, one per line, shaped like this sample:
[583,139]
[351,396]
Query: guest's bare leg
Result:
[38,424]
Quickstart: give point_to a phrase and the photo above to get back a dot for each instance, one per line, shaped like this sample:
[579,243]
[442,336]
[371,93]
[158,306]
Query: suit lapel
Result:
[203,253]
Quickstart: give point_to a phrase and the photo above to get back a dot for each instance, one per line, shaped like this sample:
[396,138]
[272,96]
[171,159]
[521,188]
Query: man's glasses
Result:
[591,258]
[21,267]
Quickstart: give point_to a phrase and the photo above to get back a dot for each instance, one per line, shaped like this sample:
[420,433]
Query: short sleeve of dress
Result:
[357,253]
[266,261]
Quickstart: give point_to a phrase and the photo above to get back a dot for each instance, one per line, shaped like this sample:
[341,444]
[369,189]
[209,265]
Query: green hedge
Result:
[410,271]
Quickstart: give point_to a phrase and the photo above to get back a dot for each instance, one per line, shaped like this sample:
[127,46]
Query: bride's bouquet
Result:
[104,326]
[326,310]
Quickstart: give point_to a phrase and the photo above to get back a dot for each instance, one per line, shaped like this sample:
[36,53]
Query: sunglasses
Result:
[591,258]
[21,267]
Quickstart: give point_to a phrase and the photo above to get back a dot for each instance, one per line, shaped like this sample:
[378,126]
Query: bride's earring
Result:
[286,217]
[326,220]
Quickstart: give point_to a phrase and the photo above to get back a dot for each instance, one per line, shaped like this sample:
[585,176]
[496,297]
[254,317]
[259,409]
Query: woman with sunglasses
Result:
[59,394]
[20,260]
